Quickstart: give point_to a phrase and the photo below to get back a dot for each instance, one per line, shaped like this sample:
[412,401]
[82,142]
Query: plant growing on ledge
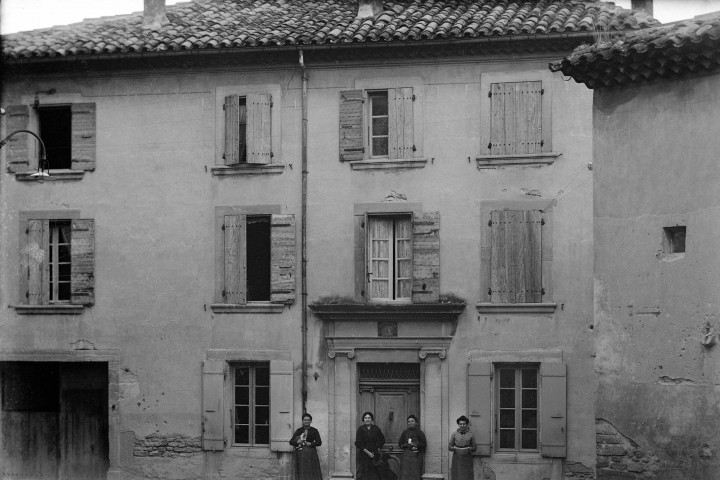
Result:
[450,297]
[335,300]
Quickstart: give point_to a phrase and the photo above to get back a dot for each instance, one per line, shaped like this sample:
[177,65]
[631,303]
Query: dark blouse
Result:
[370,439]
[417,436]
[313,437]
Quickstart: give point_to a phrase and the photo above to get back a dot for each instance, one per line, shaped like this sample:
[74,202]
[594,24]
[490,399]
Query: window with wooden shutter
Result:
[282,401]
[426,258]
[553,417]
[213,393]
[401,123]
[516,256]
[82,254]
[84,136]
[248,129]
[389,257]
[480,405]
[351,125]
[516,118]
[282,259]
[18,151]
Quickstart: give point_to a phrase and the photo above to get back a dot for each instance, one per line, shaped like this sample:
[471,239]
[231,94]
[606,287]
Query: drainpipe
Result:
[303,235]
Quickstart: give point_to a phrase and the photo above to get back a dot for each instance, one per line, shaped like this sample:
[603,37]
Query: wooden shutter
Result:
[516,261]
[400,120]
[231,155]
[480,405]
[82,262]
[235,262]
[83,136]
[351,122]
[213,395]
[281,405]
[515,118]
[553,405]
[259,106]
[34,288]
[282,258]
[426,258]
[18,153]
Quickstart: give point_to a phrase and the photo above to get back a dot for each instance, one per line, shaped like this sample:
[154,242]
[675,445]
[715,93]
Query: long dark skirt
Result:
[307,464]
[365,468]
[411,465]
[461,467]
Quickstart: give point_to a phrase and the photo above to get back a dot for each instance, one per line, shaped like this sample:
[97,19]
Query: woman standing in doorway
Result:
[412,442]
[368,440]
[305,440]
[462,444]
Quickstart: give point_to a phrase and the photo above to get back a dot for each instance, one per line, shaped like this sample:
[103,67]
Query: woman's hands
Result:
[369,453]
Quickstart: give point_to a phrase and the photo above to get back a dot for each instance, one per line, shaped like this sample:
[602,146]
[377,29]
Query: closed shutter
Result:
[281,405]
[516,118]
[351,122]
[36,257]
[213,394]
[400,119]
[480,406]
[516,261]
[426,258]
[553,405]
[259,128]
[232,154]
[82,263]
[18,153]
[83,136]
[282,259]
[235,264]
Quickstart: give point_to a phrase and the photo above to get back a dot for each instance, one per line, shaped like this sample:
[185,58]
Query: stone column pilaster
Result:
[432,412]
[342,414]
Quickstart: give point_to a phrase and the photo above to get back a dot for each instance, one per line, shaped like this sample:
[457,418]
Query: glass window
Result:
[251,412]
[517,401]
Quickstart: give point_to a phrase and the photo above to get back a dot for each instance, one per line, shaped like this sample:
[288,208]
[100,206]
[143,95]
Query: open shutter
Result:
[516,118]
[82,262]
[426,258]
[480,406]
[84,136]
[213,394]
[281,405]
[231,155]
[282,259]
[259,106]
[235,240]
[18,152]
[351,121]
[553,404]
[34,288]
[400,119]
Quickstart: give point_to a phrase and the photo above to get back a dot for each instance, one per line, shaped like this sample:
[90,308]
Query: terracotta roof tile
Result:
[674,49]
[249,23]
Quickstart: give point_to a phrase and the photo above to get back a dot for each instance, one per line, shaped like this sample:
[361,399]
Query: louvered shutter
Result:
[281,405]
[426,258]
[282,259]
[516,261]
[232,155]
[351,122]
[553,416]
[400,120]
[480,405]
[84,136]
[516,118]
[235,263]
[82,262]
[36,256]
[259,126]
[18,118]
[213,395]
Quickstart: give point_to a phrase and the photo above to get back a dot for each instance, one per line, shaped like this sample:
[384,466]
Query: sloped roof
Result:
[680,48]
[245,24]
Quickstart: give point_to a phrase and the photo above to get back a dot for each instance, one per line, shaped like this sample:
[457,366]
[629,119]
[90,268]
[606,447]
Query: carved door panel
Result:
[390,408]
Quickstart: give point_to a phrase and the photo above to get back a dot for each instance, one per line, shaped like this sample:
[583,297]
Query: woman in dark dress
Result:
[368,440]
[462,444]
[412,442]
[305,440]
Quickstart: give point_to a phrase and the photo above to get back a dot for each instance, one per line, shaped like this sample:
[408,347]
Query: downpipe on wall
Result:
[303,235]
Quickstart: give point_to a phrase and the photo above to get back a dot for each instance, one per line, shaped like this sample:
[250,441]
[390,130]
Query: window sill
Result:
[248,169]
[547,307]
[252,307]
[63,309]
[385,164]
[530,458]
[54,175]
[526,159]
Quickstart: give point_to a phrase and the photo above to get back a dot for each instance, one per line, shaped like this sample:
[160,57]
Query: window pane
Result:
[381,269]
[242,414]
[404,289]
[262,435]
[262,415]
[379,103]
[380,126]
[242,376]
[379,289]
[529,439]
[507,378]
[64,291]
[507,418]
[242,396]
[64,272]
[507,398]
[262,376]
[529,419]
[381,248]
[507,438]
[262,396]
[242,434]
[64,253]
[380,146]
[529,378]
[529,398]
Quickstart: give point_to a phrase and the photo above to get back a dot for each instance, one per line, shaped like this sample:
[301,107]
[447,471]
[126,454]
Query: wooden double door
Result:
[54,420]
[391,391]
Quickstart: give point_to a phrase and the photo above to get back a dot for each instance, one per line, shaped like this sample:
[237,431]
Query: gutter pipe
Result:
[303,236]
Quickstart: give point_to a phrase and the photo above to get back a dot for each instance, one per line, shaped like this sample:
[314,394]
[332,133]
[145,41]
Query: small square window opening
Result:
[674,239]
[55,126]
